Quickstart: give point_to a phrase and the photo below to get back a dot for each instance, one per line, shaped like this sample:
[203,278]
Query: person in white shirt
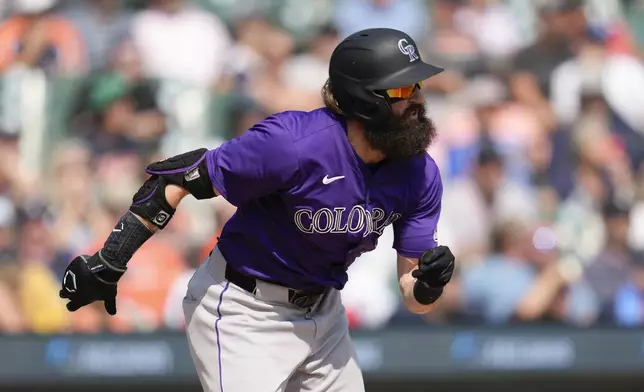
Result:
[181,43]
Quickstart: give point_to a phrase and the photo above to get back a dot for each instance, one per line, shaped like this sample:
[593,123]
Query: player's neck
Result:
[355,133]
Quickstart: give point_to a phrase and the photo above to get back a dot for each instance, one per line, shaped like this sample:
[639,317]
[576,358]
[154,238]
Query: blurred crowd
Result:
[541,147]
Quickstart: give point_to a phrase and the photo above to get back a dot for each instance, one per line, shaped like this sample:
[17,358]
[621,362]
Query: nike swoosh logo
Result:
[327,180]
[118,230]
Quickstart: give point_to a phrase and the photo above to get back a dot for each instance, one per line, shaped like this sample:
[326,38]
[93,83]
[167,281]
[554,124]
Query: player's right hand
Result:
[82,287]
[435,267]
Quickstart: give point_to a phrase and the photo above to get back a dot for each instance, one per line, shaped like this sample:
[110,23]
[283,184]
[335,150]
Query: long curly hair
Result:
[329,100]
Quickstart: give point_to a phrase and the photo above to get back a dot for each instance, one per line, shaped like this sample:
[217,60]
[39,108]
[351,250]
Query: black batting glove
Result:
[88,279]
[435,267]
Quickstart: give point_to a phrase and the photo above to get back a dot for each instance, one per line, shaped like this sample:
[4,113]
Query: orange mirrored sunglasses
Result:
[404,92]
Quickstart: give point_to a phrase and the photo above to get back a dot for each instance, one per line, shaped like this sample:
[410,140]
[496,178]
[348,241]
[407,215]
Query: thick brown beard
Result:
[403,137]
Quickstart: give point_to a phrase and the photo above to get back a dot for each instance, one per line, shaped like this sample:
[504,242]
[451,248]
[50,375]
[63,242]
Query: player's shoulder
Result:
[301,124]
[421,177]
[294,126]
[423,171]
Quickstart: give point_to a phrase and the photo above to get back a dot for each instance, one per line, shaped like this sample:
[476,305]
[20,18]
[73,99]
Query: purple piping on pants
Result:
[221,297]
[177,171]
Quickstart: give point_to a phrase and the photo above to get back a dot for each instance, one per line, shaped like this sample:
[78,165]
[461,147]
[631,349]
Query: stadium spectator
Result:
[38,284]
[11,320]
[74,211]
[515,283]
[533,65]
[595,68]
[492,25]
[371,295]
[35,37]
[246,52]
[472,204]
[180,42]
[310,70]
[453,49]
[267,87]
[354,15]
[117,109]
[102,24]
[610,270]
[628,304]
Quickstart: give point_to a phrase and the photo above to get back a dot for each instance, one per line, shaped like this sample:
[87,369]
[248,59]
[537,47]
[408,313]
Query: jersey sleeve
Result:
[416,232]
[254,165]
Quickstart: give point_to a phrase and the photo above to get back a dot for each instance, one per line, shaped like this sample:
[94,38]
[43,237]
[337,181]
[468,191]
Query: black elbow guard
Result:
[188,171]
[150,202]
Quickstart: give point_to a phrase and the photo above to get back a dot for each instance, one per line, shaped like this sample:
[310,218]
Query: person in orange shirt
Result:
[142,294]
[37,38]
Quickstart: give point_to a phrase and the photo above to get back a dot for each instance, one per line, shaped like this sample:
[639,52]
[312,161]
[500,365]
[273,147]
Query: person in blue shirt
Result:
[628,303]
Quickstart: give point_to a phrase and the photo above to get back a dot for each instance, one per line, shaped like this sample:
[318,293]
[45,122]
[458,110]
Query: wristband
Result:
[424,294]
[103,270]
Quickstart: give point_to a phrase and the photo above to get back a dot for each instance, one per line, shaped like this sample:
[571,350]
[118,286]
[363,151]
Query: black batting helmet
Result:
[367,63]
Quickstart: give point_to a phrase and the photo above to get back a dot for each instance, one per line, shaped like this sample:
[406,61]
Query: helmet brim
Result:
[418,72]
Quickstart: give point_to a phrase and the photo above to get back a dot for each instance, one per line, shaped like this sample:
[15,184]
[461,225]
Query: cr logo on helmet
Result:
[407,49]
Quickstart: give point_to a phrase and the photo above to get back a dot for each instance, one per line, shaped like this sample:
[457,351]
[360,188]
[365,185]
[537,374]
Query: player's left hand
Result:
[82,287]
[435,267]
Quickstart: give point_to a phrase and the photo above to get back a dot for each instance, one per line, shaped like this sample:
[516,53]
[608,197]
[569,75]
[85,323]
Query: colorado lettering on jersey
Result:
[339,220]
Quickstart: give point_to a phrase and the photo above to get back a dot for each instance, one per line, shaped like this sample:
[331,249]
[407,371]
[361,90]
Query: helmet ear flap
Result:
[384,102]
[360,103]
[378,109]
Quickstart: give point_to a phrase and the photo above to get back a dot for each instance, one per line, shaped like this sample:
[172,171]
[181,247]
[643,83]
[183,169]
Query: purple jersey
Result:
[308,206]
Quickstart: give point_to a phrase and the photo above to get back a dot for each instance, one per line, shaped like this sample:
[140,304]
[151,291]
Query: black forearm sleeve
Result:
[126,238]
[110,263]
[424,294]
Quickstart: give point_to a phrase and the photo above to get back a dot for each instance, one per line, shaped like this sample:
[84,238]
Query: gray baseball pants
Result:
[242,342]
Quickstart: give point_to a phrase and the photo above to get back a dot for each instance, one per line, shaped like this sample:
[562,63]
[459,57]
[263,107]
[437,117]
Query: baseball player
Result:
[313,191]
